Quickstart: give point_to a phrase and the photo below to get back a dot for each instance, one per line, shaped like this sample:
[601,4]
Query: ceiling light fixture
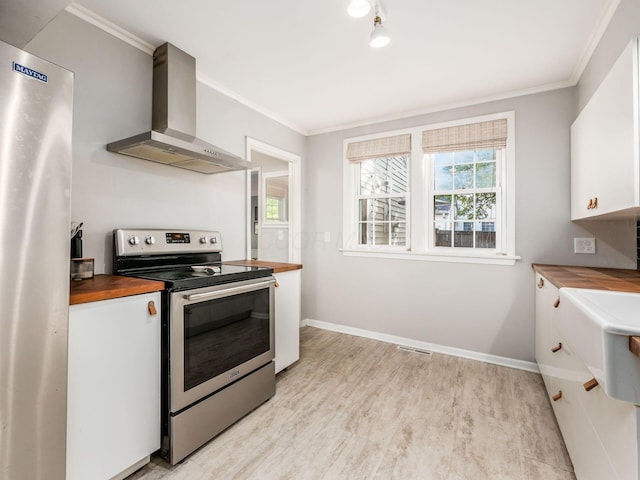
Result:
[358,8]
[379,36]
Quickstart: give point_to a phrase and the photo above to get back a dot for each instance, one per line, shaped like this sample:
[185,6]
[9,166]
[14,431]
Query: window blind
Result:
[472,136]
[379,147]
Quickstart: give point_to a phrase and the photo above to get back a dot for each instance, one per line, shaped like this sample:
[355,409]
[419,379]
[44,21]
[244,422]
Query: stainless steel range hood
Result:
[172,140]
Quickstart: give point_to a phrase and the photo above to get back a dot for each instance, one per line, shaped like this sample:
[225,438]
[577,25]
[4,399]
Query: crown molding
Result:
[111,28]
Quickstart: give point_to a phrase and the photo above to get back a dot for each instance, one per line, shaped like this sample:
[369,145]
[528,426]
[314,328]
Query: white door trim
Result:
[295,199]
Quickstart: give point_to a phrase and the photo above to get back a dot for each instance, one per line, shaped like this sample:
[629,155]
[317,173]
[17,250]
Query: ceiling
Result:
[307,64]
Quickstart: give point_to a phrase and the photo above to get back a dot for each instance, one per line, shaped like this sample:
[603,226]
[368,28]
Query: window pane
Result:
[442,216]
[485,234]
[463,206]
[486,175]
[384,175]
[463,157]
[399,233]
[486,154]
[463,176]
[486,206]
[443,177]
[443,171]
[398,218]
[398,173]
[373,233]
[374,209]
[463,234]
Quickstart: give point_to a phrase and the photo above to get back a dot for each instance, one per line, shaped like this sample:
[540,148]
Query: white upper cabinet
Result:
[605,171]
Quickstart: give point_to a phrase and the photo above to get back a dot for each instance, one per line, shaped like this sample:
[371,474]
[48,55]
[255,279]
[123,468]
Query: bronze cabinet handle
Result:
[541,283]
[590,385]
[590,206]
[595,202]
[152,308]
[557,396]
[556,304]
[557,347]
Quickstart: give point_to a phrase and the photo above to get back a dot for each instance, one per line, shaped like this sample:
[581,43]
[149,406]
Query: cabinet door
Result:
[287,318]
[604,143]
[546,295]
[113,409]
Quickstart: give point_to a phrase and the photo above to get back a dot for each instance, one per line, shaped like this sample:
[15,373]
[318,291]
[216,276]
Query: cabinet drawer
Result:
[615,423]
[588,454]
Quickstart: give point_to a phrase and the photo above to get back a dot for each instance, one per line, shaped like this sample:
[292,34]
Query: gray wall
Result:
[483,308]
[112,100]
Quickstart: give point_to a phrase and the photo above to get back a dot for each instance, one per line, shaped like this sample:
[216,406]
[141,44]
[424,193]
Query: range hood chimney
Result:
[172,140]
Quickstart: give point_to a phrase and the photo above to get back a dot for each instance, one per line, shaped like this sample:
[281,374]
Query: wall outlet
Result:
[584,245]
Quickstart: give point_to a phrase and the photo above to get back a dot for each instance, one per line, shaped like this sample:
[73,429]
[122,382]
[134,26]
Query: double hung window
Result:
[440,192]
[382,189]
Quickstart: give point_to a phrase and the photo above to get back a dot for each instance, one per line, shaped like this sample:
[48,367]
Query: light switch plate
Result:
[584,245]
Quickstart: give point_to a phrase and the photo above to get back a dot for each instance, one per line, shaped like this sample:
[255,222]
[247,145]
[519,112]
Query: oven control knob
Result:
[150,240]
[214,240]
[133,240]
[203,240]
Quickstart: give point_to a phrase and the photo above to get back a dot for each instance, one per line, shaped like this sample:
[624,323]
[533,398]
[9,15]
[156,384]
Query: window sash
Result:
[500,218]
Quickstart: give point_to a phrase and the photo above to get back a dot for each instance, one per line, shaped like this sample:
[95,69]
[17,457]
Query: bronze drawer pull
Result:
[152,308]
[556,304]
[557,396]
[557,348]
[590,385]
[541,283]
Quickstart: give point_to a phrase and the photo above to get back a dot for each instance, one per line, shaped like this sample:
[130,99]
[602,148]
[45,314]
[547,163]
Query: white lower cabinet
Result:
[287,321]
[113,409]
[600,433]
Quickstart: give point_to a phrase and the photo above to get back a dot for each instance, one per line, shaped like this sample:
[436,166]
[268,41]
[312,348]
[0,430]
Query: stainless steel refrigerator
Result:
[35,170]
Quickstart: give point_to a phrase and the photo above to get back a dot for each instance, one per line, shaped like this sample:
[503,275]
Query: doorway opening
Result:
[273,213]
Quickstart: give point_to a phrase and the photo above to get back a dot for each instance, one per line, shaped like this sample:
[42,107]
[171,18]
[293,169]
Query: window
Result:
[276,197]
[437,192]
[381,171]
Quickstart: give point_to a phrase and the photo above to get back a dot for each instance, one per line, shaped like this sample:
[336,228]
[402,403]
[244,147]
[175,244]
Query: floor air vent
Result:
[414,350]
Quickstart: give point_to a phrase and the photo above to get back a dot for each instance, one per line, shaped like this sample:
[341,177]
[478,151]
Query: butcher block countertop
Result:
[615,279]
[106,287]
[277,266]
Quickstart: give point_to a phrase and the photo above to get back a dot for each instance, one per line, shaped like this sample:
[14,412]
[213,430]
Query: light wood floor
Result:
[354,408]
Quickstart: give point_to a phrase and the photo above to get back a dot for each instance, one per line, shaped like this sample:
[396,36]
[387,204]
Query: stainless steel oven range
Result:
[218,332]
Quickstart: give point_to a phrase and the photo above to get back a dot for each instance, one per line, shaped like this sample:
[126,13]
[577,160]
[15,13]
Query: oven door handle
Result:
[229,291]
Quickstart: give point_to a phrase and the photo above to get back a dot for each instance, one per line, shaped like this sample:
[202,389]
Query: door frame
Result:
[295,196]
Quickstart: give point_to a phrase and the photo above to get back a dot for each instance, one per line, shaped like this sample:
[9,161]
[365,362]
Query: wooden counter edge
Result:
[278,267]
[107,287]
[594,278]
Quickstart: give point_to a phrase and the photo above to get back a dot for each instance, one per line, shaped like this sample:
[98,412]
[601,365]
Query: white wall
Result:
[112,100]
[483,308]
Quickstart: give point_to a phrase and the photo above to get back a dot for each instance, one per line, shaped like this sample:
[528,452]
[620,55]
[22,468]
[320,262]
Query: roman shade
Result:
[379,147]
[472,136]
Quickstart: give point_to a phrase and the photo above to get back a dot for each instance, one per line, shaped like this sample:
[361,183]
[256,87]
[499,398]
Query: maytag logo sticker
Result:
[29,72]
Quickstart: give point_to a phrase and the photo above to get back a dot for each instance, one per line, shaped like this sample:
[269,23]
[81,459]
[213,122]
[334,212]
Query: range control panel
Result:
[157,241]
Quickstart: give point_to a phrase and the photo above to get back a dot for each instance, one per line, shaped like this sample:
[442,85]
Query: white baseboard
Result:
[432,347]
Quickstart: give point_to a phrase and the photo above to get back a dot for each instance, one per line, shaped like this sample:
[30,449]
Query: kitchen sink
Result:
[598,324]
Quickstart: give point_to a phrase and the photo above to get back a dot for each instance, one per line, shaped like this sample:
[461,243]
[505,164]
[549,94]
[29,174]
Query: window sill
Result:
[432,256]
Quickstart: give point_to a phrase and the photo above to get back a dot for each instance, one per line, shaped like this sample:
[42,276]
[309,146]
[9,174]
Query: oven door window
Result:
[223,333]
